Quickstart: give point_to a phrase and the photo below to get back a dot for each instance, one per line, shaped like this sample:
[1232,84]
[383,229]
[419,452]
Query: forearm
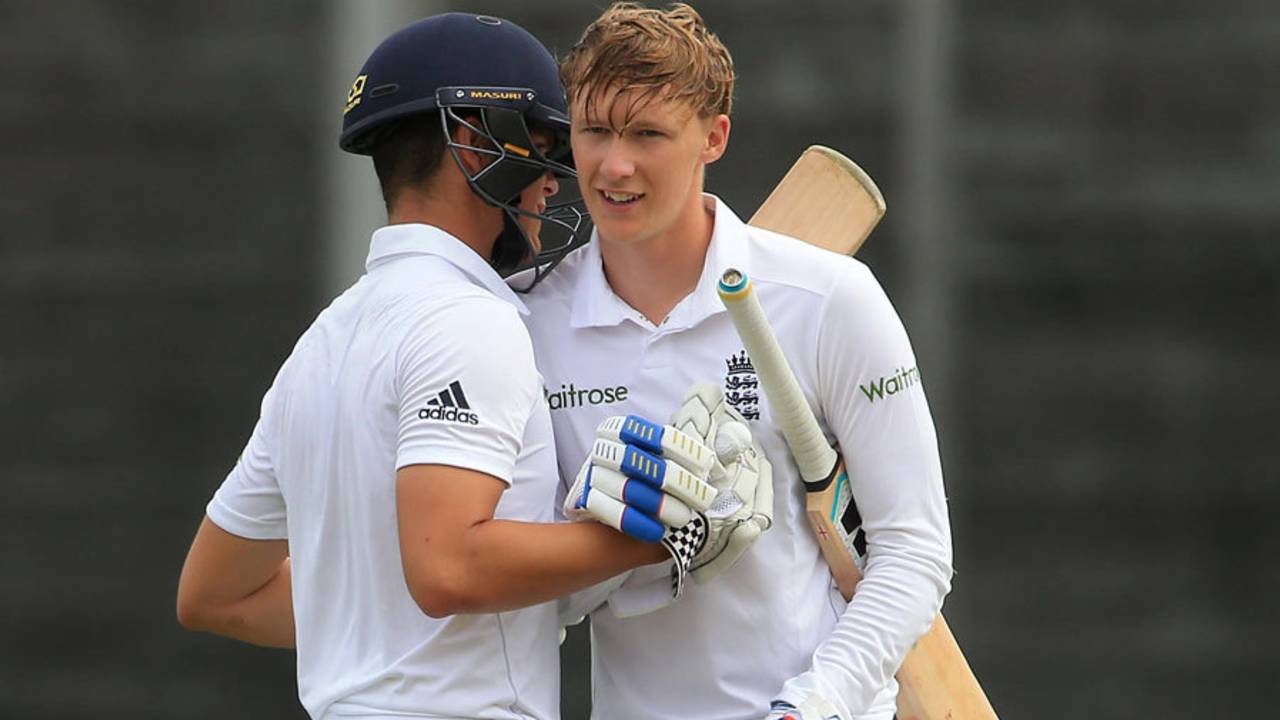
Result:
[237,587]
[504,565]
[264,617]
[894,605]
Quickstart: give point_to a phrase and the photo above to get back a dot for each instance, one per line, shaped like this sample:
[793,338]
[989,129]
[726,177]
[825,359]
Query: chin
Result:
[533,231]
[622,235]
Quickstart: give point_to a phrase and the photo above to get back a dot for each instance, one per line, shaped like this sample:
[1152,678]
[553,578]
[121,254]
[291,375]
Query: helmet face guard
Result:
[501,117]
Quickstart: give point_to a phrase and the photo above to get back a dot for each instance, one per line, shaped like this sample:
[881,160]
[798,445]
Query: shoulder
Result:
[425,293]
[464,319]
[434,314]
[798,267]
[477,340]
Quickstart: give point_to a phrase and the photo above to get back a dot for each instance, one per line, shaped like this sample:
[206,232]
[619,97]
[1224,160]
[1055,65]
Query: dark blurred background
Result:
[1083,237]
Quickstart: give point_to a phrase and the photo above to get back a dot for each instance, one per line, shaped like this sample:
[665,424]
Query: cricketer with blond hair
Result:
[635,312]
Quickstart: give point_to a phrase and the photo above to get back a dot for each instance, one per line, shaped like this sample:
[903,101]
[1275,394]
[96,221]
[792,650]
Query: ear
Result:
[717,139]
[466,137]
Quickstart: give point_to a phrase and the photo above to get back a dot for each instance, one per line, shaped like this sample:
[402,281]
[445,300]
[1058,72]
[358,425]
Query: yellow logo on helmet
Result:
[496,95]
[353,95]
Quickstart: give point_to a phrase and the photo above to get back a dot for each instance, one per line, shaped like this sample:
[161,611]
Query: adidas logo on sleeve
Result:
[450,405]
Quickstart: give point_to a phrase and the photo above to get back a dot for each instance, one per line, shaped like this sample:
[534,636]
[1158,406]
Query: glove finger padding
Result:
[645,479]
[666,476]
[665,441]
[669,510]
[587,500]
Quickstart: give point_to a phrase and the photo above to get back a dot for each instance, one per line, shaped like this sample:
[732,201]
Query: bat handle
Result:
[791,412]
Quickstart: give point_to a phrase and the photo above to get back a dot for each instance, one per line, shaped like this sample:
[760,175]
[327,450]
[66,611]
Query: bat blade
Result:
[937,682]
[828,201]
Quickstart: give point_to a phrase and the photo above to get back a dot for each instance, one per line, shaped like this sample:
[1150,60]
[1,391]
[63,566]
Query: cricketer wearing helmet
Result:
[650,96]
[391,515]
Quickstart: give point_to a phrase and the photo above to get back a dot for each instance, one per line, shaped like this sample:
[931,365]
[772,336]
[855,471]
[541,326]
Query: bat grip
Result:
[791,412]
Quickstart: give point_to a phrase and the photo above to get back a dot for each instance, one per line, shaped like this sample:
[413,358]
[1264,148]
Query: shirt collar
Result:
[595,304]
[397,241]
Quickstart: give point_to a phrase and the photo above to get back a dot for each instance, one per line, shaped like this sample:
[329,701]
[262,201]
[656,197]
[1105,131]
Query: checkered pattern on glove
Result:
[684,543]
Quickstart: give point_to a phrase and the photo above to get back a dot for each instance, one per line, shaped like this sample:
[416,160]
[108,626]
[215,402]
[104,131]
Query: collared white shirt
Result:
[773,626]
[423,361]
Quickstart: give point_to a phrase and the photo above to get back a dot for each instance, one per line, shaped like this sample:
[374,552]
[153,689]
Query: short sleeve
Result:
[466,386]
[249,502]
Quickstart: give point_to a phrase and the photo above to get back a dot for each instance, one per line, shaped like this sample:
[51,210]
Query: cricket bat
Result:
[827,200]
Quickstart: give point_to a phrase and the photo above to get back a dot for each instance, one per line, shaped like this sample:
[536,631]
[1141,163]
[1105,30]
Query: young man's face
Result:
[640,169]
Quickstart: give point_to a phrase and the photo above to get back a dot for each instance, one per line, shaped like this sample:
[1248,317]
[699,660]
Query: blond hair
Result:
[653,53]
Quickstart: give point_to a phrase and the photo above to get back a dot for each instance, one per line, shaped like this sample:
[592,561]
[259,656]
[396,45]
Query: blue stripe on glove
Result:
[641,433]
[641,465]
[641,526]
[643,497]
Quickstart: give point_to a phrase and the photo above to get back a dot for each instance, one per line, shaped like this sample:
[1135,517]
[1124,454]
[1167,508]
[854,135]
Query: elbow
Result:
[194,609]
[936,568]
[441,595]
[192,614]
[201,612]
[944,567]
[928,564]
[437,604]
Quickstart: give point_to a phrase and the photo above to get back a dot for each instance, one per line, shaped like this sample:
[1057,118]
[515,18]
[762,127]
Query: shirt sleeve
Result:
[249,502]
[872,396]
[466,386]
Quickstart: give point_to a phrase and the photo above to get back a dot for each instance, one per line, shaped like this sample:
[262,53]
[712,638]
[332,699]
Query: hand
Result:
[741,475]
[814,707]
[642,478]
[651,482]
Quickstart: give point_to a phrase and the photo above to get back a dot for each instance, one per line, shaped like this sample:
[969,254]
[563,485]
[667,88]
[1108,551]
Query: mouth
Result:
[620,199]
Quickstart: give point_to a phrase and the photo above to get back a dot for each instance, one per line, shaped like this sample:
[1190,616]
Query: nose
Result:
[616,163]
[551,185]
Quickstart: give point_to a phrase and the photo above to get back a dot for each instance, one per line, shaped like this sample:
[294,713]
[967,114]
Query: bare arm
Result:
[458,559]
[238,588]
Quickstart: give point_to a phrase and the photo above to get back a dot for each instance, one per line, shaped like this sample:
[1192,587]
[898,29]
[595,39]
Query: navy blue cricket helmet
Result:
[497,79]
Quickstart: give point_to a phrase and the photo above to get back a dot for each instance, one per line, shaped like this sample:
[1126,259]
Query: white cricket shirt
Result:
[774,626]
[423,361]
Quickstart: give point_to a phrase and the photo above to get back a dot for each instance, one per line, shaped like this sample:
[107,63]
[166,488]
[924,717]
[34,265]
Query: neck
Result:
[452,207]
[654,275]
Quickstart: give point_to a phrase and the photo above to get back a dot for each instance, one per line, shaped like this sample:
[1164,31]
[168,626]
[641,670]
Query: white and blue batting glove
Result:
[642,478]
[814,707]
[650,482]
[701,486]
